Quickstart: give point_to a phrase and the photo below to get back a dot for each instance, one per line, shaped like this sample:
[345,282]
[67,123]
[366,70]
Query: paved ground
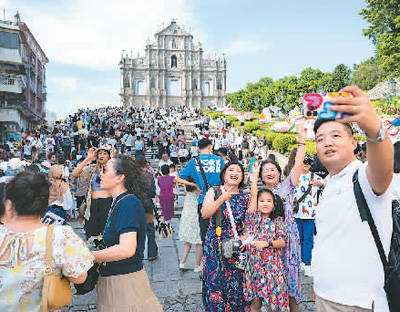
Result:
[177,290]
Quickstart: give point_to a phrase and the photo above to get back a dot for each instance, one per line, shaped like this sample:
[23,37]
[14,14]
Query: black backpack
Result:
[391,265]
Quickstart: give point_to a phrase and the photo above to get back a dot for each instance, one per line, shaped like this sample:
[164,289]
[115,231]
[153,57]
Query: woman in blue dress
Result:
[222,281]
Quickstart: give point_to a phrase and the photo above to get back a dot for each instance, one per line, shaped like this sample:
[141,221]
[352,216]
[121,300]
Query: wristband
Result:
[301,143]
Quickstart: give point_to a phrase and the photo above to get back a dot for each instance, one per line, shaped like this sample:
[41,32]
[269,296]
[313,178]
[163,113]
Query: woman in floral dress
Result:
[23,246]
[270,173]
[222,281]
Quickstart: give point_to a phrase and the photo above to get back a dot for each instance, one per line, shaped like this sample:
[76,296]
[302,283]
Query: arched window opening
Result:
[174,61]
[174,44]
[207,88]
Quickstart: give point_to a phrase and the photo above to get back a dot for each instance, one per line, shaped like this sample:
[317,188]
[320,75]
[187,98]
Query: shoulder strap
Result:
[202,172]
[308,189]
[49,249]
[365,215]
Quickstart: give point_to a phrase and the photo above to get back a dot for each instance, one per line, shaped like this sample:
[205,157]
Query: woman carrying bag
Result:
[23,246]
[223,280]
[123,284]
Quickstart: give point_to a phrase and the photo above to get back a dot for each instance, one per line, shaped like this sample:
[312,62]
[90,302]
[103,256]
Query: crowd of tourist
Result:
[253,224]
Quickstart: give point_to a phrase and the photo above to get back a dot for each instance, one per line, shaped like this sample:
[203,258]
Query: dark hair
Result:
[32,168]
[226,166]
[34,188]
[396,157]
[165,169]
[278,204]
[319,122]
[135,180]
[271,161]
[2,198]
[290,163]
[190,188]
[50,155]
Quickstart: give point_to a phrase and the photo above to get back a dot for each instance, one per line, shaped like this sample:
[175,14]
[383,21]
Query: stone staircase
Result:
[151,157]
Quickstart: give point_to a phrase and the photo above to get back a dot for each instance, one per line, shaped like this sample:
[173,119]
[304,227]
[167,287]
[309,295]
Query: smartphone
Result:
[317,105]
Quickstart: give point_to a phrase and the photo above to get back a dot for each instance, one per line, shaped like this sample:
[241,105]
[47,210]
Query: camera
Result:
[317,105]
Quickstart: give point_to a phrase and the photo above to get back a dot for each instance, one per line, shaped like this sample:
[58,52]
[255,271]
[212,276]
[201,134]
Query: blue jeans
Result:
[152,249]
[306,232]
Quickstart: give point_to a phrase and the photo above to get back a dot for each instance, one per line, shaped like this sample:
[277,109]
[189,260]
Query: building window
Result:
[194,84]
[174,44]
[174,86]
[219,85]
[140,87]
[9,40]
[174,61]
[152,84]
[126,81]
[207,88]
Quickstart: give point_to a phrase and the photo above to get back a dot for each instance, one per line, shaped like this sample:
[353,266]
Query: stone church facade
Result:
[173,72]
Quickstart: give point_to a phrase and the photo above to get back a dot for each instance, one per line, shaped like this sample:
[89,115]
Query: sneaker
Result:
[182,266]
[307,270]
[152,258]
[197,269]
[302,265]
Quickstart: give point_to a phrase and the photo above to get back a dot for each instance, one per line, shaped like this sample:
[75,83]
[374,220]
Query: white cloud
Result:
[247,45]
[62,84]
[92,33]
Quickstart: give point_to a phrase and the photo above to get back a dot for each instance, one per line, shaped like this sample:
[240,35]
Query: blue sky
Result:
[84,38]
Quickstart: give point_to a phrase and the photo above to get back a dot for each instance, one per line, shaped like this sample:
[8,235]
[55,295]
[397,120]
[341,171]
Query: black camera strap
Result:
[202,172]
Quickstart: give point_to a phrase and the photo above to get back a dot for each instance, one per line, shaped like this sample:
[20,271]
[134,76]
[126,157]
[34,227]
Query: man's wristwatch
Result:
[381,135]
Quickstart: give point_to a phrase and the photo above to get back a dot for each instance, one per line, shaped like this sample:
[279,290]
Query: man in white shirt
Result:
[348,273]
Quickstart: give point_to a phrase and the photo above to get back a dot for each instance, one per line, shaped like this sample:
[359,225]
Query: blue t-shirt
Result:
[127,216]
[212,166]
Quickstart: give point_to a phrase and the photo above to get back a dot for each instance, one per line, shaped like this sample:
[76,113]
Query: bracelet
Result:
[301,143]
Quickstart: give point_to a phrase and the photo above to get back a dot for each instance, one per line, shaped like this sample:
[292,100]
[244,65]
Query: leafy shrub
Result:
[250,126]
[310,148]
[270,136]
[231,119]
[282,142]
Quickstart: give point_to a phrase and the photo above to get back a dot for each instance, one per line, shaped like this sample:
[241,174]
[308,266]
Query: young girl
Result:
[265,277]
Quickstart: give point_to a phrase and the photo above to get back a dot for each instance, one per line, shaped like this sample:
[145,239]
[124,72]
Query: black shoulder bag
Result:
[391,265]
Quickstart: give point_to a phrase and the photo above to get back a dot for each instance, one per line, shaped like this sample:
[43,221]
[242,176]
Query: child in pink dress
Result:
[265,275]
[166,197]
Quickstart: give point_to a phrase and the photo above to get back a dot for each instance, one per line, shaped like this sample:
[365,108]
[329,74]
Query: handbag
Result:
[163,229]
[56,291]
[231,246]
[94,272]
[391,265]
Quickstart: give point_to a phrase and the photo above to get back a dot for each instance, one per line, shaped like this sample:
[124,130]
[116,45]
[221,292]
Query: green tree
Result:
[367,74]
[384,31]
[340,77]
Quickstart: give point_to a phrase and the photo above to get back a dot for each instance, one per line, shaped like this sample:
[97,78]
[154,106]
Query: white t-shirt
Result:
[346,264]
[395,186]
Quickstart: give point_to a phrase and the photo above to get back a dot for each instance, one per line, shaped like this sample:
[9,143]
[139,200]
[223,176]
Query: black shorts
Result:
[182,159]
[174,160]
